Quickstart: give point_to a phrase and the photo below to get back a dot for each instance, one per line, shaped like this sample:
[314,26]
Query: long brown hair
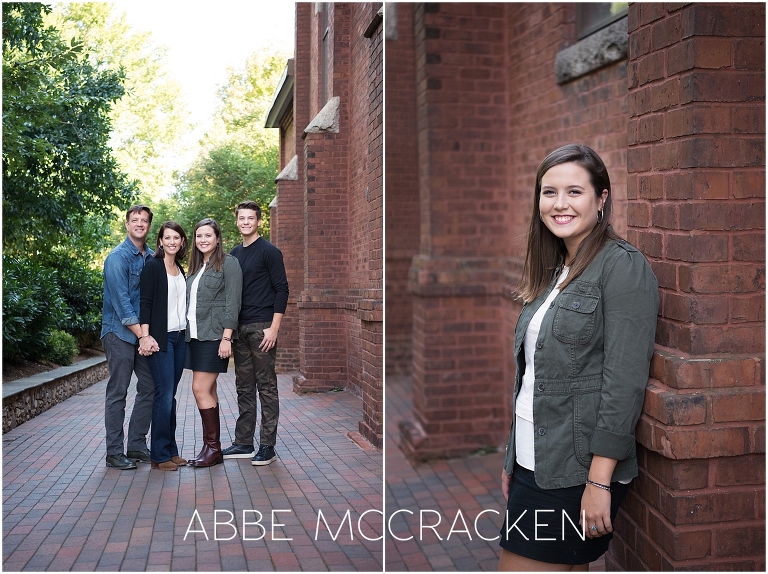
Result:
[546,252]
[216,260]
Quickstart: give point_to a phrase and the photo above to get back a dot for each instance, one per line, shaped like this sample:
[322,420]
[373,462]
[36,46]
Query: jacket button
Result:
[539,344]
[551,305]
[575,304]
[541,387]
[542,431]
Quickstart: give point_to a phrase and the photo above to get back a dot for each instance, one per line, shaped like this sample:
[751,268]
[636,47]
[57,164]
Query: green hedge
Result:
[47,311]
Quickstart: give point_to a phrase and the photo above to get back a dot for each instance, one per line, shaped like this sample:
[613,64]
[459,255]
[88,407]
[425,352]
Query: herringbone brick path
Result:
[64,510]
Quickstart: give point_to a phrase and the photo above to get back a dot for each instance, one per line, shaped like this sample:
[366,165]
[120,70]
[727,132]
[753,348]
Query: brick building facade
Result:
[672,96]
[328,212]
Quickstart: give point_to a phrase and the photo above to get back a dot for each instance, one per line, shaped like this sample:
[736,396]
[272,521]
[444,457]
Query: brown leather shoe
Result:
[178,461]
[167,465]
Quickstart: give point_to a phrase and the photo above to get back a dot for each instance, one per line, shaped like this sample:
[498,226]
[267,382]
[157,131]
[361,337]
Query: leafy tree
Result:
[241,157]
[57,162]
[61,184]
[217,182]
[151,120]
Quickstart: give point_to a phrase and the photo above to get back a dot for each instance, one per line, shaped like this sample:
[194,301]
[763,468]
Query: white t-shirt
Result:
[192,311]
[524,404]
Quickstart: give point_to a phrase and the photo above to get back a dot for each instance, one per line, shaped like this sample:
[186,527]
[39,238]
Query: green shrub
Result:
[83,291]
[32,308]
[62,348]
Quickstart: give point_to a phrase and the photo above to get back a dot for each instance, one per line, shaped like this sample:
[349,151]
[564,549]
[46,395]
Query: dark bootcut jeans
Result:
[255,375]
[123,360]
[166,367]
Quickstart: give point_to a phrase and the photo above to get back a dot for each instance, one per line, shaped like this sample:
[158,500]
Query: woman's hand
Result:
[225,349]
[596,507]
[148,345]
[505,480]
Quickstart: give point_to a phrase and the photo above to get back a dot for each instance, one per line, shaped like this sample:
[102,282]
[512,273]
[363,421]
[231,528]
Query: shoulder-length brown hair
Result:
[182,252]
[216,260]
[546,252]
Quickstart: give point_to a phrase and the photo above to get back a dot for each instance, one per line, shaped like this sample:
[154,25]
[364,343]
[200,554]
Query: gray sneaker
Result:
[120,462]
[238,451]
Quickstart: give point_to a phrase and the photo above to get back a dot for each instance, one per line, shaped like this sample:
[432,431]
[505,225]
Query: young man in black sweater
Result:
[265,298]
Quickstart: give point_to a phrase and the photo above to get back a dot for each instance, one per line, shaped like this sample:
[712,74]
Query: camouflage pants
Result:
[255,375]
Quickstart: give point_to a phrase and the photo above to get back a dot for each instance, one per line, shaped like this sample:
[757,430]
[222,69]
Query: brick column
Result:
[402,206]
[323,329]
[696,191]
[460,396]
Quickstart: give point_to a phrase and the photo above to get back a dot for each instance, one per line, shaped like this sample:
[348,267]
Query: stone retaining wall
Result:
[26,398]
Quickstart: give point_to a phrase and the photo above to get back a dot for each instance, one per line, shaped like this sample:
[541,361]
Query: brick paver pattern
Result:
[63,509]
[440,490]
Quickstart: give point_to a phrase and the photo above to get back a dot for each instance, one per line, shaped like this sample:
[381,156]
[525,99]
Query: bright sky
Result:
[206,38]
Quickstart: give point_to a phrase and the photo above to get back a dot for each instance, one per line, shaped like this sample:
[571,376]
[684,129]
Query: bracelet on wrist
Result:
[227,339]
[597,484]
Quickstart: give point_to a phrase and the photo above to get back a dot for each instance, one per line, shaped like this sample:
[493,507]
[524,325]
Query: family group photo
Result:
[383,286]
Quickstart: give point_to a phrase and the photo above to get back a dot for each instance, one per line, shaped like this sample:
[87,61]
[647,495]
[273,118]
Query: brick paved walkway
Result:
[64,510]
[441,488]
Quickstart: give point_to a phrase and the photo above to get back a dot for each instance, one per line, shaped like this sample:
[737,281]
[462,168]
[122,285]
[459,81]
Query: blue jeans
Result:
[166,367]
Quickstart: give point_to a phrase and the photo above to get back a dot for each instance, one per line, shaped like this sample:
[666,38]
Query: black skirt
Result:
[204,356]
[553,534]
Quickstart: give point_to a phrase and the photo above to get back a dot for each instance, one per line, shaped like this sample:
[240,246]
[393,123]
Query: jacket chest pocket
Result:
[575,316]
[213,280]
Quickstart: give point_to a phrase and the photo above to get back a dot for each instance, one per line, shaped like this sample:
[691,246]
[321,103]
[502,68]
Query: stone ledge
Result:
[26,398]
[595,51]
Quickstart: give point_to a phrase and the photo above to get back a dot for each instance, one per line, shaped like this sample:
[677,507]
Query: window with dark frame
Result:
[592,16]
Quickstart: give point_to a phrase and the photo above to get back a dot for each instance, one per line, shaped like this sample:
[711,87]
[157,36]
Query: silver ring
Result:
[593,528]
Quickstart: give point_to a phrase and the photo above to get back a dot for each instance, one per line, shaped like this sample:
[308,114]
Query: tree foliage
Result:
[151,120]
[240,157]
[56,156]
[61,184]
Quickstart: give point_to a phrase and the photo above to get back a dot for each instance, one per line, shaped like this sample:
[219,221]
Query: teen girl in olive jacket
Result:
[583,346]
[214,292]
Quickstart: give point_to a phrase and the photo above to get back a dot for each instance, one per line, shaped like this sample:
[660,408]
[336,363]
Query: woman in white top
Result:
[162,317]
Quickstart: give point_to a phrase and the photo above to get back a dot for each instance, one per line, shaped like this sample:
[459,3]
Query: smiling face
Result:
[205,240]
[171,242]
[137,226]
[248,224]
[569,204]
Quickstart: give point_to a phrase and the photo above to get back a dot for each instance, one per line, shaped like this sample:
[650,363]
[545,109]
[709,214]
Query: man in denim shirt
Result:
[120,334]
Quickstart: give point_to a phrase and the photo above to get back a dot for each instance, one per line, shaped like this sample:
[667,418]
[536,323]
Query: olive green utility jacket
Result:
[219,295]
[592,358]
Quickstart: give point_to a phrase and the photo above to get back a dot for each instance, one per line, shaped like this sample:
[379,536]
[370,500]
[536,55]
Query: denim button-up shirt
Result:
[593,355]
[122,270]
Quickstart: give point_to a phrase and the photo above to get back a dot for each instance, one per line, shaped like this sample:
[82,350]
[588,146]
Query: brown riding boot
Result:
[210,454]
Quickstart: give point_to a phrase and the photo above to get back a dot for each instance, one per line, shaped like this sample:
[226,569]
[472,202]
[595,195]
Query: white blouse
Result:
[192,310]
[524,404]
[177,302]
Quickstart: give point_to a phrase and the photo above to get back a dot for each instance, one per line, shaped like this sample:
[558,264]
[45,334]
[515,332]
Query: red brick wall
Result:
[456,280]
[591,110]
[339,199]
[402,201]
[696,189]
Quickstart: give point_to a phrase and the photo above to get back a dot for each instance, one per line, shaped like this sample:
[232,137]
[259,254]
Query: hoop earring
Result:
[599,215]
